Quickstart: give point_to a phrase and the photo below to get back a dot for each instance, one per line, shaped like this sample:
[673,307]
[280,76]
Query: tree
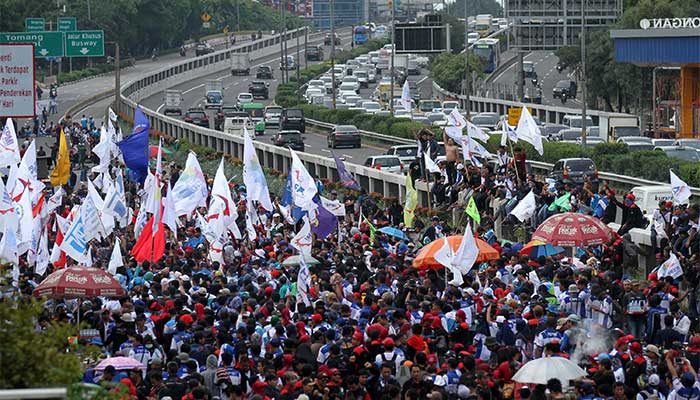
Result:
[569,55]
[33,358]
[447,70]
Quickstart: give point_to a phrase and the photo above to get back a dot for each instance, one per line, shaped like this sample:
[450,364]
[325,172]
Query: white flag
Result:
[23,207]
[525,208]
[9,147]
[115,261]
[8,248]
[112,115]
[303,282]
[467,252]
[457,120]
[115,200]
[303,185]
[475,132]
[42,257]
[103,150]
[671,267]
[216,250]
[430,164]
[29,160]
[406,97]
[679,189]
[74,243]
[8,215]
[335,207]
[141,220]
[303,240]
[190,190]
[253,175]
[221,190]
[528,130]
[249,227]
[444,255]
[169,214]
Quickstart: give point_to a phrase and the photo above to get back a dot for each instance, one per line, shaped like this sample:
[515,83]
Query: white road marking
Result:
[159,107]
[347,156]
[422,80]
[193,88]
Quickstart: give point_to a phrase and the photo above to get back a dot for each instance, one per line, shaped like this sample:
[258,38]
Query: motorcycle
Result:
[154,55]
[53,91]
[183,52]
[563,98]
[560,67]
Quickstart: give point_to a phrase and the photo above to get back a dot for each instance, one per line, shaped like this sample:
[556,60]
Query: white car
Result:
[352,80]
[316,83]
[371,107]
[273,115]
[448,105]
[472,37]
[405,152]
[362,78]
[313,91]
[385,163]
[244,98]
[351,101]
[353,87]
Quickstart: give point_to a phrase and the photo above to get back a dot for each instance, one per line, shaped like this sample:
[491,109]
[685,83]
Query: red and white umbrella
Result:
[573,229]
[119,363]
[79,282]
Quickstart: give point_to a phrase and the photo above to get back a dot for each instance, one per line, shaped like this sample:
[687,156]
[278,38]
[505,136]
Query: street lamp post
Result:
[583,73]
[332,17]
[393,53]
[467,74]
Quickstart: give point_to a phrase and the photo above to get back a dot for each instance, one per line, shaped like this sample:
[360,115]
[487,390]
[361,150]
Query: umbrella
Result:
[542,370]
[153,150]
[295,260]
[573,229]
[536,248]
[79,282]
[119,363]
[395,232]
[426,255]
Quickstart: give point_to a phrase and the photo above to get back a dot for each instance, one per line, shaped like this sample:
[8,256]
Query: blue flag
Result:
[346,177]
[288,199]
[325,222]
[135,147]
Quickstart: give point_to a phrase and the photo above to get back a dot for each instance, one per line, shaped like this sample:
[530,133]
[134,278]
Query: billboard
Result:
[17,80]
[422,38]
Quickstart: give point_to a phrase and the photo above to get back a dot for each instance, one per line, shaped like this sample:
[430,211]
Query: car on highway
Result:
[264,72]
[314,53]
[591,141]
[327,39]
[575,121]
[259,90]
[551,131]
[351,80]
[288,63]
[273,114]
[406,153]
[436,117]
[344,135]
[226,111]
[574,170]
[415,91]
[569,134]
[412,67]
[293,119]
[385,163]
[529,70]
[312,91]
[684,153]
[566,87]
[213,98]
[244,98]
[382,64]
[472,37]
[426,106]
[203,48]
[487,120]
[637,143]
[694,143]
[289,138]
[352,101]
[448,105]
[256,113]
[316,83]
[234,126]
[371,107]
[663,142]
[532,93]
[362,77]
[197,116]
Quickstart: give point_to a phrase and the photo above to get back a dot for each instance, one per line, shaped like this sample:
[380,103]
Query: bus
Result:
[360,35]
[488,50]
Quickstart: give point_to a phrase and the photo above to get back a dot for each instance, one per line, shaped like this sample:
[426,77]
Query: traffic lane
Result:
[547,69]
[193,90]
[509,76]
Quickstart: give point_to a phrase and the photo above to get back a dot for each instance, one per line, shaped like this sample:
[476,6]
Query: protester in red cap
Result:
[632,216]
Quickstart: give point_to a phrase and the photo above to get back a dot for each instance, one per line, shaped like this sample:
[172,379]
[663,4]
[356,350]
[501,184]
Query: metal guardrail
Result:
[47,393]
[377,137]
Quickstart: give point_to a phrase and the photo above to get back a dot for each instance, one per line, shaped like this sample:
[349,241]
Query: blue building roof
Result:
[657,46]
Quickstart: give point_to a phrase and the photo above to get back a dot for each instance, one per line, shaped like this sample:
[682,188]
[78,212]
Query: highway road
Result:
[315,140]
[546,67]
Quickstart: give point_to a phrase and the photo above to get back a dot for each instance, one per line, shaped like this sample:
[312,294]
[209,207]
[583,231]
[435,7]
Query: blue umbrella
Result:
[395,232]
[536,248]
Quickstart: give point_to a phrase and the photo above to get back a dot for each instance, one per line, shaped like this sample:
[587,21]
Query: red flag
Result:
[149,247]
[39,204]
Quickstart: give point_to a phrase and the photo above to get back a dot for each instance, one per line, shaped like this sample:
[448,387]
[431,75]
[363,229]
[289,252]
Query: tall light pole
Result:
[283,61]
[583,73]
[393,53]
[467,74]
[286,49]
[332,17]
[298,59]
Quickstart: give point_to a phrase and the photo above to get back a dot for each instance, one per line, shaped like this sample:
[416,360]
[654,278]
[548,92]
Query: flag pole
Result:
[510,144]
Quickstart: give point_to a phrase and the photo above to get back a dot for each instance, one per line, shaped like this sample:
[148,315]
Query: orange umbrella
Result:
[426,255]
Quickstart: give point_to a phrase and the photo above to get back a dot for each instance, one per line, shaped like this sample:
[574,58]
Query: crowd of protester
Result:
[378,328]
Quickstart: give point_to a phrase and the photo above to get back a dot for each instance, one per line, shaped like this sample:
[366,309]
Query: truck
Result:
[400,61]
[214,93]
[240,64]
[172,100]
[615,126]
[483,24]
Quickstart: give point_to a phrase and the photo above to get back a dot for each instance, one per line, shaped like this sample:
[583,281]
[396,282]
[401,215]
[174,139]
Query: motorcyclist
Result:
[154,54]
[183,51]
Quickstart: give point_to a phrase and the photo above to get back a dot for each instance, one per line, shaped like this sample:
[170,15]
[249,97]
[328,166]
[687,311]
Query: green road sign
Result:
[66,24]
[46,44]
[34,24]
[85,44]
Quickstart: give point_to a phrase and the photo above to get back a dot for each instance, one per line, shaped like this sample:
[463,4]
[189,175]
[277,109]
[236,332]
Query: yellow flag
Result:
[473,211]
[61,173]
[411,203]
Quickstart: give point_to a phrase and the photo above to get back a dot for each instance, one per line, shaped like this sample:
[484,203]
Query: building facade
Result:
[550,24]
